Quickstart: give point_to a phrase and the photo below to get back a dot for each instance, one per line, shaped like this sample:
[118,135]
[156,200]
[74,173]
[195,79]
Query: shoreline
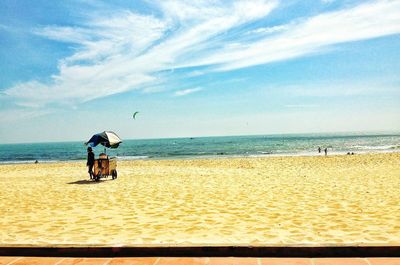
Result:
[185,158]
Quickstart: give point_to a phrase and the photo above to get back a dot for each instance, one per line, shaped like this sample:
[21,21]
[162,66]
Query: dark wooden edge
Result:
[210,251]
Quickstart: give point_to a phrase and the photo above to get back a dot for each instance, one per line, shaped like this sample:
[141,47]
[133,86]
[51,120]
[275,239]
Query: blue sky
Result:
[69,69]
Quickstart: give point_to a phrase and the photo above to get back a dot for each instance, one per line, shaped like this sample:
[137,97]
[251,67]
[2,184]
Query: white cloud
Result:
[104,63]
[269,30]
[65,34]
[371,20]
[17,114]
[188,91]
[127,51]
[341,89]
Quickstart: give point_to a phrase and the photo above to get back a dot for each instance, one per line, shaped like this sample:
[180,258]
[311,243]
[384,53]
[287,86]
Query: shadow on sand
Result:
[84,181]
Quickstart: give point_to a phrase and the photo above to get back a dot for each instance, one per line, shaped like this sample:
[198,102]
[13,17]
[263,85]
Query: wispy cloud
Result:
[128,51]
[17,114]
[341,89]
[370,20]
[188,91]
[269,30]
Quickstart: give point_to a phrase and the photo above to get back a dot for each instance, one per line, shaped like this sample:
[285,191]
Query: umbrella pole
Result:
[104,144]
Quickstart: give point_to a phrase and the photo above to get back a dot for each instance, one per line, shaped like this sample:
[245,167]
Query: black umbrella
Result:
[106,138]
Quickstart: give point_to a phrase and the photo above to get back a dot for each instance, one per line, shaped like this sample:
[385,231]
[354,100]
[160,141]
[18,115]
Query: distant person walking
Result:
[90,162]
[319,149]
[326,151]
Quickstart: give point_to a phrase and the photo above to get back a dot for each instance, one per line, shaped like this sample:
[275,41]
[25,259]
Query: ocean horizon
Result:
[208,147]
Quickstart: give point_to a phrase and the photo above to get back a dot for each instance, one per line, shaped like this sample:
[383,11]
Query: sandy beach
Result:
[256,201]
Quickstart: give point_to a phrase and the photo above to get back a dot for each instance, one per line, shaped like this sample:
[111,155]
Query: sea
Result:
[207,147]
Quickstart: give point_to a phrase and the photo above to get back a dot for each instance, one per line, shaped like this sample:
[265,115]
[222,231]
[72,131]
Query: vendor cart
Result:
[105,166]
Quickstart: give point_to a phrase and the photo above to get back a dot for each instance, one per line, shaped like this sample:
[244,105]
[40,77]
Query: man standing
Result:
[90,162]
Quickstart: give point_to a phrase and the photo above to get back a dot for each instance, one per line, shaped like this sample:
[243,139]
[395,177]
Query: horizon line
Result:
[353,133]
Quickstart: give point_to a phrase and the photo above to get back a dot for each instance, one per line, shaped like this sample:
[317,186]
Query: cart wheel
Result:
[98,176]
[114,174]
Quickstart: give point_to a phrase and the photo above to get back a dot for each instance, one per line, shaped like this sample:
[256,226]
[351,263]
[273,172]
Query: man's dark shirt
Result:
[90,159]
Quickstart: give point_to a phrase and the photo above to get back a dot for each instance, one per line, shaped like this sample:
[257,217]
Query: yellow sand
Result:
[257,201]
